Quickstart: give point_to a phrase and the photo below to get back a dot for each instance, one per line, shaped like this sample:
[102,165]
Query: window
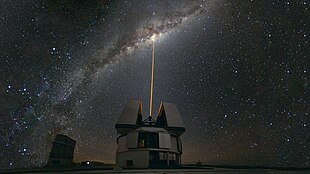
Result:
[172,156]
[148,139]
[163,155]
[129,162]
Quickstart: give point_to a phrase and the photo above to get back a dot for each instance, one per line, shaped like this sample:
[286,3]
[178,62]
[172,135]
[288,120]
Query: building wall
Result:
[132,140]
[164,140]
[122,144]
[130,155]
[174,144]
[140,159]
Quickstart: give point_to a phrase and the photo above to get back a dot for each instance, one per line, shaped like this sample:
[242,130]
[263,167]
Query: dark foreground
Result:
[185,169]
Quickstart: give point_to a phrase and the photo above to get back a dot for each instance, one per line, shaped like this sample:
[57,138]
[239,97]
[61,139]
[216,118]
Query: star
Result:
[237,72]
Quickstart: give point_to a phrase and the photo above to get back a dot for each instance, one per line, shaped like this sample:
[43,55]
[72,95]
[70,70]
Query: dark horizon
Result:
[108,166]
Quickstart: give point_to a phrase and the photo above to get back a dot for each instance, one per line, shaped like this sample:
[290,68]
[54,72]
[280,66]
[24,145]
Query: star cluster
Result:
[238,71]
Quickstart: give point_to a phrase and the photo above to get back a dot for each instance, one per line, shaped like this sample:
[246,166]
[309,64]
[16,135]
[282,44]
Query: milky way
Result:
[120,48]
[125,44]
[237,71]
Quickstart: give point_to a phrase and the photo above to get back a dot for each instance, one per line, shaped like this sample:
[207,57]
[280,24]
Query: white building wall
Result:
[174,144]
[132,140]
[164,140]
[128,148]
[121,147]
[140,159]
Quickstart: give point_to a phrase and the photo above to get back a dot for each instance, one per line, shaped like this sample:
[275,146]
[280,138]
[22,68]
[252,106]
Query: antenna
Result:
[152,80]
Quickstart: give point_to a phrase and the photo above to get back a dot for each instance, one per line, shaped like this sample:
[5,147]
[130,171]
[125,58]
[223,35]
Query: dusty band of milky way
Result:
[124,45]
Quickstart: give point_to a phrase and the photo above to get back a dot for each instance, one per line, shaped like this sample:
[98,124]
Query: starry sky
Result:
[238,71]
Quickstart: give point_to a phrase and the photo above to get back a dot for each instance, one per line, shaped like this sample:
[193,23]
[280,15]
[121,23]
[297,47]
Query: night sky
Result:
[238,71]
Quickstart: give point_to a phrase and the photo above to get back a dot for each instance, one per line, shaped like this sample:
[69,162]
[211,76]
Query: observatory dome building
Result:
[62,152]
[149,143]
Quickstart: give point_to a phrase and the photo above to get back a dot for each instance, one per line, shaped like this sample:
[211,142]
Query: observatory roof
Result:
[130,117]
[169,117]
